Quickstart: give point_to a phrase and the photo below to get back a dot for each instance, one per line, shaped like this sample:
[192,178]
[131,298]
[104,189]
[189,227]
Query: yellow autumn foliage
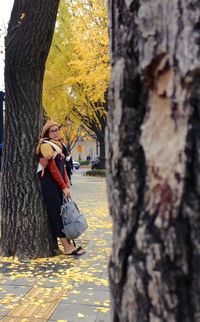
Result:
[77,71]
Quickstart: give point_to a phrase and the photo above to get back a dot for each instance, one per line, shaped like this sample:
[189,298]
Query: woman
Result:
[54,181]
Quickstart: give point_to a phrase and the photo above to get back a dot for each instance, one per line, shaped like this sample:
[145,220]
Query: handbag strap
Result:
[66,199]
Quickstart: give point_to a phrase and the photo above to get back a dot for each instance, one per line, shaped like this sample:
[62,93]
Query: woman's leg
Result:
[69,247]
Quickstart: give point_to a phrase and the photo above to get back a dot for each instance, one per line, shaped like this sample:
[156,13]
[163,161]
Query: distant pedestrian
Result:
[88,158]
[54,181]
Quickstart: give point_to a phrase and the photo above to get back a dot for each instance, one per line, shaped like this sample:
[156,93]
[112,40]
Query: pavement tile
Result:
[13,289]
[8,281]
[103,317]
[28,311]
[86,285]
[16,319]
[39,303]
[74,313]
[20,281]
[52,284]
[3,314]
[4,270]
[89,296]
[26,282]
[91,244]
[104,275]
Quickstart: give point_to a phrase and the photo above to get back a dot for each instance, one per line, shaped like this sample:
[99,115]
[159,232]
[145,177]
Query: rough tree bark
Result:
[24,228]
[154,160]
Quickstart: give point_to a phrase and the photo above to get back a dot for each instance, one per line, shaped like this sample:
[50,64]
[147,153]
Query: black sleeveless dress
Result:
[53,197]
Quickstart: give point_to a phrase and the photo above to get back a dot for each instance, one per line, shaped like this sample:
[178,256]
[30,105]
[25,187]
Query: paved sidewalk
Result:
[64,288]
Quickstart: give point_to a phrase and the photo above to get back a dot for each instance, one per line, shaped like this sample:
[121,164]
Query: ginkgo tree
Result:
[77,72]
[90,63]
[71,132]
[55,92]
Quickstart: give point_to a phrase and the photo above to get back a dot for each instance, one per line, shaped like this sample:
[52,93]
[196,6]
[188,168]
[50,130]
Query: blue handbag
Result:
[74,223]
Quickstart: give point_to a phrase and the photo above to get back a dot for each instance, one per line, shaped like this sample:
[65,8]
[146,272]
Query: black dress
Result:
[53,197]
[69,167]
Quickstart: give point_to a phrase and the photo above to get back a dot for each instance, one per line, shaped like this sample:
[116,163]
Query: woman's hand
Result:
[66,192]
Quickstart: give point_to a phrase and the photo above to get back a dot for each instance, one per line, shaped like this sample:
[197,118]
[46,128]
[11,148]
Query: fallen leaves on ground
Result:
[61,272]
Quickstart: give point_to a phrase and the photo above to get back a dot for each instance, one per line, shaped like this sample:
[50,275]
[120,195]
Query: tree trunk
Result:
[154,160]
[24,229]
[1,124]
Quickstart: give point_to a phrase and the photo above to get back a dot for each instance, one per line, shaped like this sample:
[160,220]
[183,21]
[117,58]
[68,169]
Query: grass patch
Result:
[99,173]
[84,162]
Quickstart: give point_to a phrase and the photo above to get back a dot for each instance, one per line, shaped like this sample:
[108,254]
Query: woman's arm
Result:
[56,174]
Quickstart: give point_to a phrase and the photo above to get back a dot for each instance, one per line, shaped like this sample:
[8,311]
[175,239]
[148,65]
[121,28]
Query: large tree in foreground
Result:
[154,160]
[24,227]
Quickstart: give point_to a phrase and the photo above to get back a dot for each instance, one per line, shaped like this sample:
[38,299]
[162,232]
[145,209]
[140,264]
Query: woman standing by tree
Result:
[54,181]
